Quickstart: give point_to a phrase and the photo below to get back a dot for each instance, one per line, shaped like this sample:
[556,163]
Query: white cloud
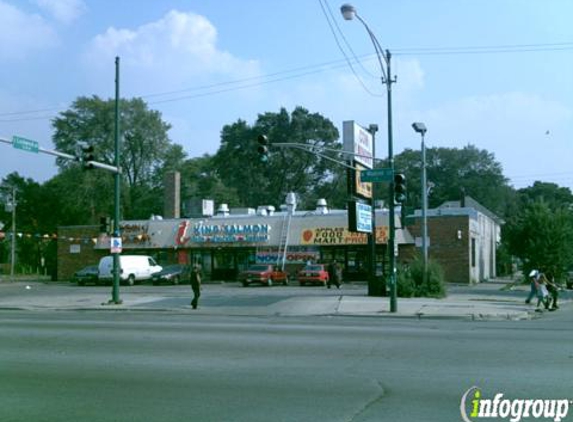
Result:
[171,49]
[65,11]
[21,33]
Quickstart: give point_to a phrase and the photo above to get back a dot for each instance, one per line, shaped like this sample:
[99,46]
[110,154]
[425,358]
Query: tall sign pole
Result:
[13,248]
[117,179]
[373,288]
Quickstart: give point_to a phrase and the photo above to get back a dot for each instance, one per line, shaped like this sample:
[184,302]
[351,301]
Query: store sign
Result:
[294,255]
[340,236]
[364,189]
[230,233]
[358,141]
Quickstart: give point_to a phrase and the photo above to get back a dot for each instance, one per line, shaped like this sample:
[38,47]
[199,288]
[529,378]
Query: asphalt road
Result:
[152,366]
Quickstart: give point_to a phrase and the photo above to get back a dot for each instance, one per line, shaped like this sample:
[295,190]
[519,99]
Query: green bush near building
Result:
[411,280]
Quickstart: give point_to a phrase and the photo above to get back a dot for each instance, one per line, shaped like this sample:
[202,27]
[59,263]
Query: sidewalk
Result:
[486,301]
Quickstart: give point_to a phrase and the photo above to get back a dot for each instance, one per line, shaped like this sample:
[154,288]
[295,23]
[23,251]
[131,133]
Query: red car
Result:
[263,274]
[313,274]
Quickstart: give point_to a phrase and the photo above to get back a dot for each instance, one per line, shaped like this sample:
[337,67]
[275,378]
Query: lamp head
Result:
[419,127]
[348,11]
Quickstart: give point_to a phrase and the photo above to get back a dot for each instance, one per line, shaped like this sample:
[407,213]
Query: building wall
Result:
[486,234]
[76,249]
[448,245]
[463,241]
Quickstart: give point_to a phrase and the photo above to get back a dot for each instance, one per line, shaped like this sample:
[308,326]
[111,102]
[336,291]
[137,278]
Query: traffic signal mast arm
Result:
[55,153]
[312,150]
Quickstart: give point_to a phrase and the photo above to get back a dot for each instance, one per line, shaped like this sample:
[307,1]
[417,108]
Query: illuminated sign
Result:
[364,189]
[295,255]
[340,236]
[230,233]
[358,141]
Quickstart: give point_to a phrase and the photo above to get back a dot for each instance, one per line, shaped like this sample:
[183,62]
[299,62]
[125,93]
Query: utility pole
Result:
[117,183]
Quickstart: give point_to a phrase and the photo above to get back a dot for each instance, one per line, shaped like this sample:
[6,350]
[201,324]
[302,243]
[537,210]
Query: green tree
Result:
[145,145]
[33,221]
[454,172]
[75,196]
[288,169]
[199,180]
[542,237]
[550,193]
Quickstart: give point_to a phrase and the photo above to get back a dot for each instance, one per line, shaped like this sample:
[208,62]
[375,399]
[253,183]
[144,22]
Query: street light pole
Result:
[384,58]
[421,129]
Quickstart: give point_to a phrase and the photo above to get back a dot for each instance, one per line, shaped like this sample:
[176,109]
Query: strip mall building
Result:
[463,239]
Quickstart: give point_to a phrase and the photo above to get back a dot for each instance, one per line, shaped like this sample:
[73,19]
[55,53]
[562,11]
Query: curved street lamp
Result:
[349,13]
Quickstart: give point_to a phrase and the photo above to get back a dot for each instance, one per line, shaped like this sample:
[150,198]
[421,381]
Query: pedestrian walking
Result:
[334,274]
[533,276]
[553,290]
[542,293]
[196,285]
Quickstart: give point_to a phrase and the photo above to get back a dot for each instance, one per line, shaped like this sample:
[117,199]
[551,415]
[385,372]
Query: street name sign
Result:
[377,175]
[25,144]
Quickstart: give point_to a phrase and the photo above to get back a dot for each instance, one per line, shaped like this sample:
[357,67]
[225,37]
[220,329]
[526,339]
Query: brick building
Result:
[76,249]
[463,238]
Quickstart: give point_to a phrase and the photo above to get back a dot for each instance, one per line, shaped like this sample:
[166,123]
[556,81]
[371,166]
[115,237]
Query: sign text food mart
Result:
[340,236]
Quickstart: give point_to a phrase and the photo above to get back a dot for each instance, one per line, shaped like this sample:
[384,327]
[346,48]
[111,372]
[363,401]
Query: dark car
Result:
[313,274]
[263,274]
[86,275]
[174,274]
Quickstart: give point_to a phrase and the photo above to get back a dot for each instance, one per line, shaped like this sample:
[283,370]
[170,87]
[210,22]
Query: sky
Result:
[496,74]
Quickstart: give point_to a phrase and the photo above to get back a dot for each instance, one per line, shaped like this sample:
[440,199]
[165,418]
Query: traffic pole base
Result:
[113,302]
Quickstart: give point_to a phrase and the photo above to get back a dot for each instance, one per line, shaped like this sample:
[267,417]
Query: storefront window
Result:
[224,265]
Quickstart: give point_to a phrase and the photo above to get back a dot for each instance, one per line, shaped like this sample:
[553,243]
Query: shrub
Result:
[411,280]
[405,284]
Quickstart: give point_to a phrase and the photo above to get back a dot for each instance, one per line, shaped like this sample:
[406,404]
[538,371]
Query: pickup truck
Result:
[263,274]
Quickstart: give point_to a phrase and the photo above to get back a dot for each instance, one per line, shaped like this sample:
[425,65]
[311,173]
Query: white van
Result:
[132,268]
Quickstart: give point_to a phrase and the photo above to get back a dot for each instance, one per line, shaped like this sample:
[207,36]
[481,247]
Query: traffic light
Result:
[87,155]
[263,148]
[399,188]
[104,224]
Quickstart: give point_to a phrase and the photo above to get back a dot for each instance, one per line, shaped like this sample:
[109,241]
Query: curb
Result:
[523,316]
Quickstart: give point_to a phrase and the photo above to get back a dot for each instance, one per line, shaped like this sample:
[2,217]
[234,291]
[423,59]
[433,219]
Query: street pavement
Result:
[493,300]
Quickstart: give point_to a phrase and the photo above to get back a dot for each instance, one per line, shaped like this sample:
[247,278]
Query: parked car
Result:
[174,274]
[88,274]
[313,274]
[263,274]
[132,268]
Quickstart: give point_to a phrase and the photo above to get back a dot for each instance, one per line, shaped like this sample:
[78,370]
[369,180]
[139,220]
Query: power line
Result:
[240,84]
[356,59]
[342,50]
[485,49]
